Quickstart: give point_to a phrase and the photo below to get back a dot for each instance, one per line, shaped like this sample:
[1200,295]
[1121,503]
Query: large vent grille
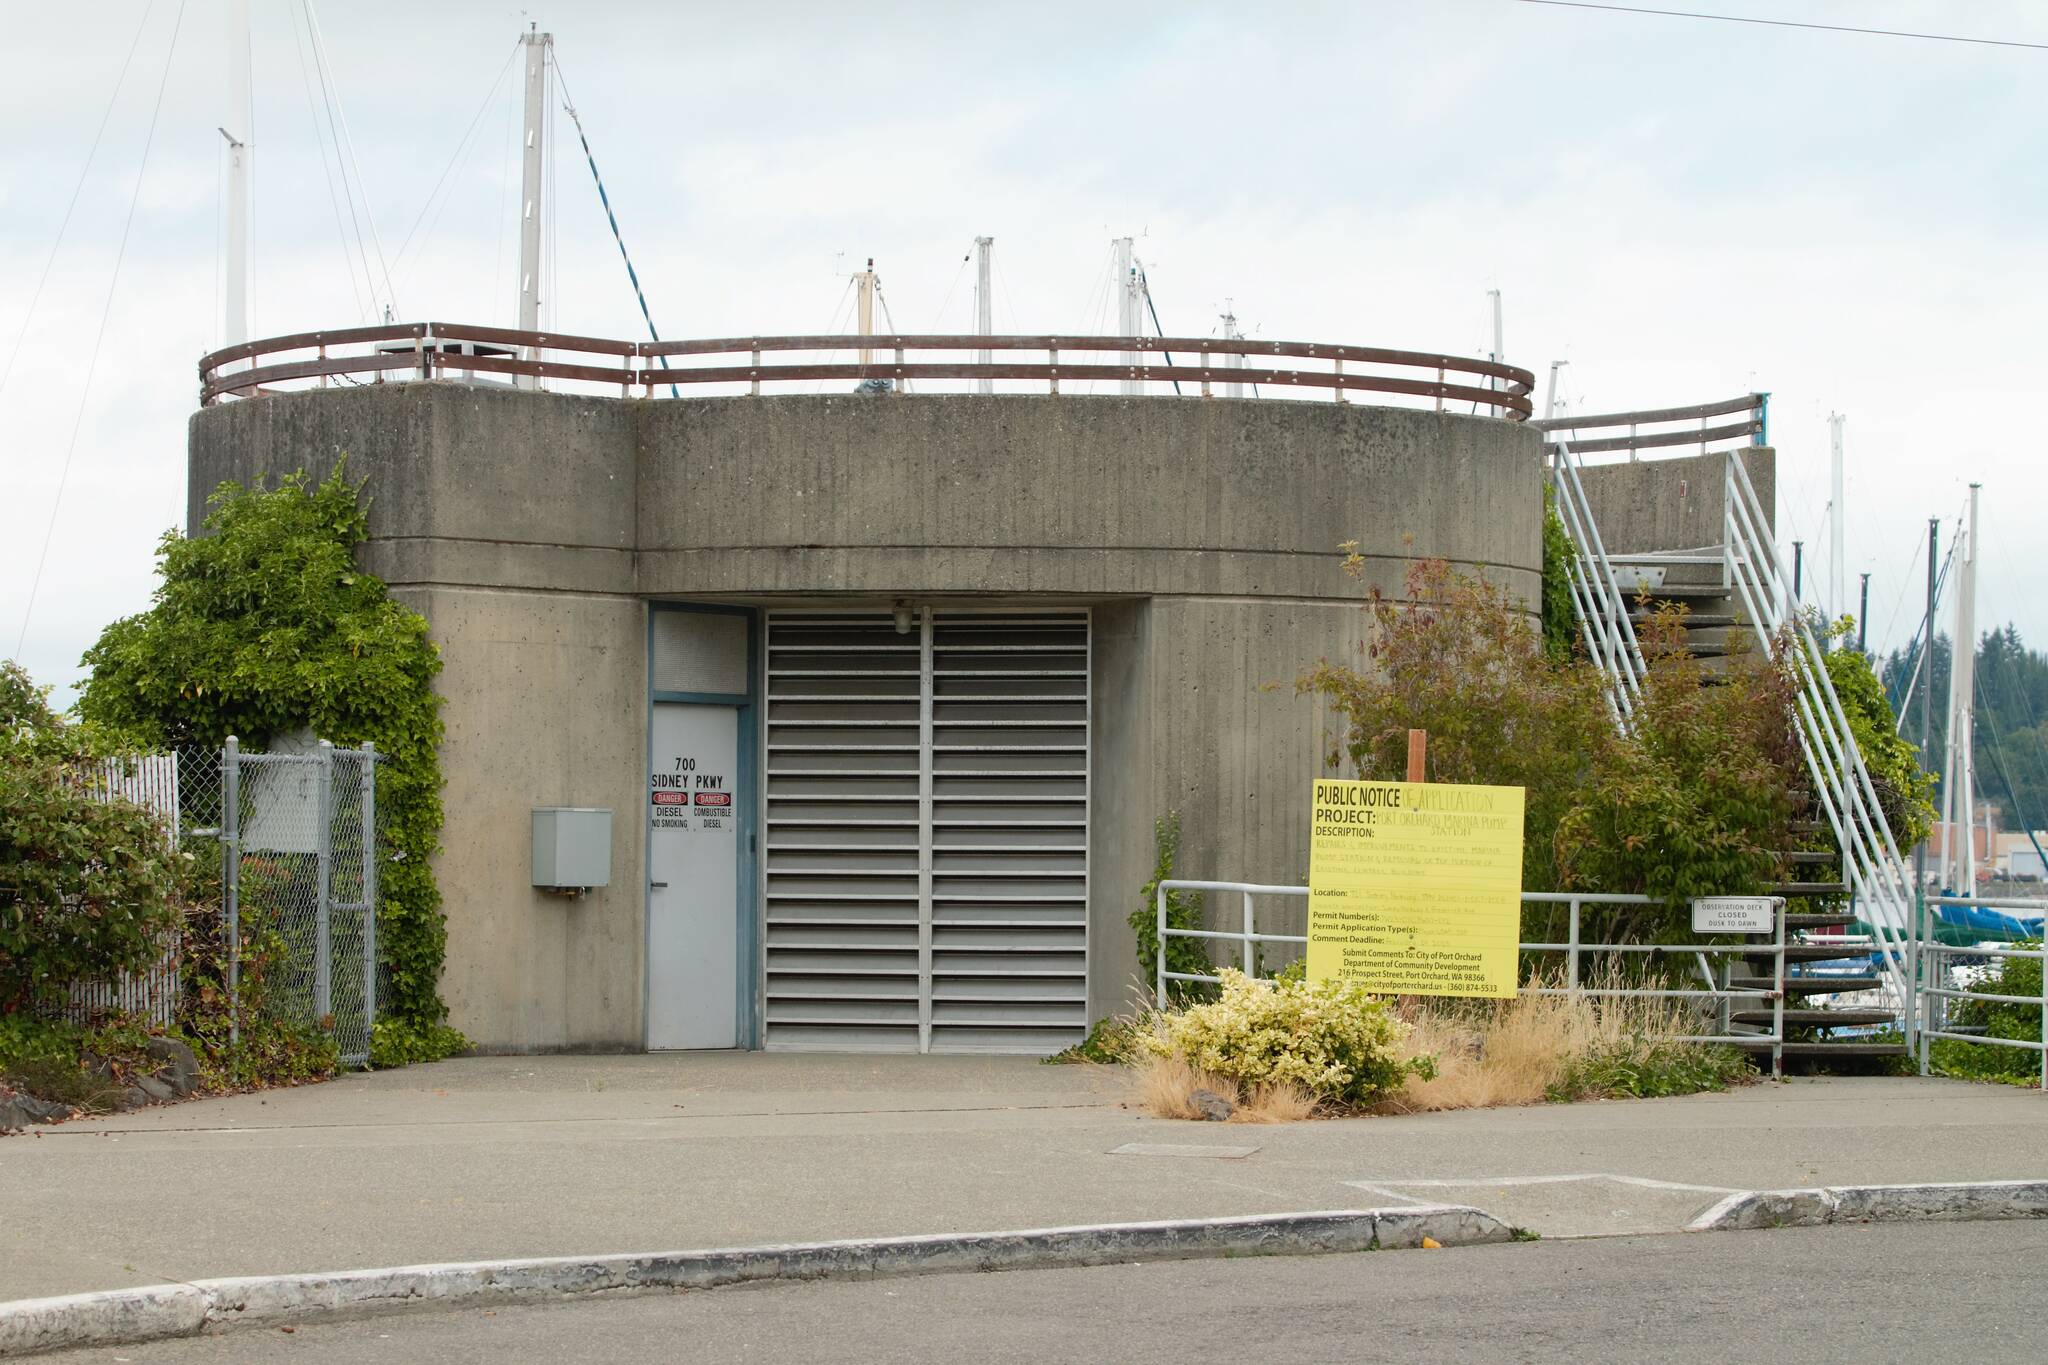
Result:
[927,866]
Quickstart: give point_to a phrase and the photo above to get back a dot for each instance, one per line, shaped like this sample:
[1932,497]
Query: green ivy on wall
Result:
[1559,614]
[267,626]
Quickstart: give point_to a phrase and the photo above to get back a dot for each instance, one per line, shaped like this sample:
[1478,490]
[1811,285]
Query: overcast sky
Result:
[1684,210]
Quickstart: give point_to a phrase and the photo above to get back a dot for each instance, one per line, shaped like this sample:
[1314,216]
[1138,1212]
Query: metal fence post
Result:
[230,877]
[1778,998]
[369,762]
[1572,958]
[323,940]
[1159,963]
[1249,970]
[1917,975]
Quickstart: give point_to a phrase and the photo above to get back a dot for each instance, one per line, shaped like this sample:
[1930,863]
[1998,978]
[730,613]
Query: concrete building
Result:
[884,694]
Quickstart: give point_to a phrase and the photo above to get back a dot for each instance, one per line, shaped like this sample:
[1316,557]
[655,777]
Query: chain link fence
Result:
[294,839]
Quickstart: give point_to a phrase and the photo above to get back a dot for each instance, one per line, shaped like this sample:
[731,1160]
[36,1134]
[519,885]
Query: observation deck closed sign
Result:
[1415,887]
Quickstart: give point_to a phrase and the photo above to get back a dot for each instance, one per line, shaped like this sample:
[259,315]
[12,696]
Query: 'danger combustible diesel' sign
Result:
[1415,888]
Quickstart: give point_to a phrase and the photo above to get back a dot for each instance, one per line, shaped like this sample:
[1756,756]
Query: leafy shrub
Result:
[1560,619]
[1111,1042]
[1697,798]
[1332,1039]
[1694,799]
[86,1068]
[86,886]
[1642,1067]
[267,626]
[273,1045]
[1459,660]
[1183,911]
[1998,1019]
[1905,792]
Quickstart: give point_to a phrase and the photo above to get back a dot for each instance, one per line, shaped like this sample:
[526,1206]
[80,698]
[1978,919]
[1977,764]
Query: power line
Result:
[76,190]
[1791,23]
[106,312]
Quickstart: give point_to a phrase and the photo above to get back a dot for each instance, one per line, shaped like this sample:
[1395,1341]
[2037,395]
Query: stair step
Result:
[1671,592]
[1818,921]
[1817,1016]
[1807,985]
[1819,952]
[1810,856]
[1807,888]
[1696,620]
[1830,1049]
[1807,827]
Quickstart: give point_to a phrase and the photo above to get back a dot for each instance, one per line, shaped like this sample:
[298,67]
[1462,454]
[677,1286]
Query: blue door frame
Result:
[747,1028]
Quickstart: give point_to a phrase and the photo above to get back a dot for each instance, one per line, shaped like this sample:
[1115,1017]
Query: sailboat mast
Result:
[239,131]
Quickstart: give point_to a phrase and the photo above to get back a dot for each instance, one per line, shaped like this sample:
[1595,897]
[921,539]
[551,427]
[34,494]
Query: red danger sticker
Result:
[714,798]
[671,798]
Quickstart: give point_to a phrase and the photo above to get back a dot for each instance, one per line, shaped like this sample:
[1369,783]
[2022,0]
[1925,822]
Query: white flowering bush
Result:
[1331,1038]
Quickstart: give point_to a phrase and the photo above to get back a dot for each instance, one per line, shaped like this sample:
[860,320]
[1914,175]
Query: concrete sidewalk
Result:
[496,1157]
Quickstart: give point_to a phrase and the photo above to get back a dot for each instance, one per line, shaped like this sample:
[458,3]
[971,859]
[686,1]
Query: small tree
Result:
[1698,799]
[267,626]
[86,886]
[1459,660]
[1694,798]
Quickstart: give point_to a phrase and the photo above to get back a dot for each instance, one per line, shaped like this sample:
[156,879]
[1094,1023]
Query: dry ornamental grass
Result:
[1488,1054]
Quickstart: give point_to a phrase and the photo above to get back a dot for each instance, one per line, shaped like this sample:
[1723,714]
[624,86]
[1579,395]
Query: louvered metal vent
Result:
[927,832]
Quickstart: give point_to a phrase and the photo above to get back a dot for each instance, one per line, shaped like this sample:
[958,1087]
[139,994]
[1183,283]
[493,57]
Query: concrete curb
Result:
[126,1316]
[1979,1200]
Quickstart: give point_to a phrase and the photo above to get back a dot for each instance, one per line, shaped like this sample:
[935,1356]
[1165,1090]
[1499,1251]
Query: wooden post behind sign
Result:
[1418,755]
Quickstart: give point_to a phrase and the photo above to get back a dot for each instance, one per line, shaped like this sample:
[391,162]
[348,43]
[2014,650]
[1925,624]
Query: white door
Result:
[693,865]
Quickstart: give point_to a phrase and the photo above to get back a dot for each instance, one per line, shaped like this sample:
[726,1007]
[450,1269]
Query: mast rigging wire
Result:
[330,87]
[106,312]
[448,169]
[1145,286]
[363,309]
[62,227]
[632,275]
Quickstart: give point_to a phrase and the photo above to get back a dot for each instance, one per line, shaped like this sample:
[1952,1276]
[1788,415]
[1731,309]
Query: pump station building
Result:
[849,713]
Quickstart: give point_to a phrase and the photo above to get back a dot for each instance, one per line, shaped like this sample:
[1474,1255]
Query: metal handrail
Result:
[1604,621]
[1664,433]
[1576,945]
[1872,869]
[421,350]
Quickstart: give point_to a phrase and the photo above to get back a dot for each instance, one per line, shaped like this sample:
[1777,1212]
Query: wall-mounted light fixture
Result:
[903,620]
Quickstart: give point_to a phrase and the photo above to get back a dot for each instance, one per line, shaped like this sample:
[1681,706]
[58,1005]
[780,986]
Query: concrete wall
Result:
[508,525]
[530,528]
[1672,504]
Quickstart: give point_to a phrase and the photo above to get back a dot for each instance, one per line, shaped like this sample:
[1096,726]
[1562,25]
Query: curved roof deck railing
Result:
[933,364]
[1660,428]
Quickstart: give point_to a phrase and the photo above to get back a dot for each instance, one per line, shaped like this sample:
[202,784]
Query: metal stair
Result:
[1844,866]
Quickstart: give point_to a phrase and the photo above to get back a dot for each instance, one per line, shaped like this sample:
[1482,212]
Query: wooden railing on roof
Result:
[1188,365]
[1660,428]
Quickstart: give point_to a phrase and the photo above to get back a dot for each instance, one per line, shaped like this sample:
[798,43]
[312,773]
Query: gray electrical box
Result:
[572,847]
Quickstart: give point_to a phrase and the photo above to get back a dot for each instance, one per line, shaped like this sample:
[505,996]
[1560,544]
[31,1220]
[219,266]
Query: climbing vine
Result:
[266,626]
[1558,611]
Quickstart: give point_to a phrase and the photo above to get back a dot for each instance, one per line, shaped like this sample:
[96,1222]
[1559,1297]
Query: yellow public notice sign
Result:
[1414,887]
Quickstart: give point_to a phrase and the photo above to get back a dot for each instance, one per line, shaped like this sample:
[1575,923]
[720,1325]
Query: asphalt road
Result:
[1863,1294]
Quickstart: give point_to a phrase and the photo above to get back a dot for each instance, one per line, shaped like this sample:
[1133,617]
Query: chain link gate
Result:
[299,847]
